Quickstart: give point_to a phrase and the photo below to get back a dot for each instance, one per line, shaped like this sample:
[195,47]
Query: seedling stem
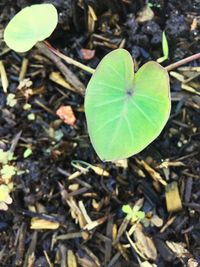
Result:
[91,70]
[69,60]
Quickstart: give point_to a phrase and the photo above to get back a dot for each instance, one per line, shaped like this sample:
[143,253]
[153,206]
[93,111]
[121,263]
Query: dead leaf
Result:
[144,243]
[66,114]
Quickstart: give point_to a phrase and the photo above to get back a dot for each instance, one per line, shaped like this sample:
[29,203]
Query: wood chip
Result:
[189,89]
[71,259]
[99,171]
[154,174]
[4,79]
[94,224]
[173,200]
[38,224]
[178,248]
[24,68]
[91,19]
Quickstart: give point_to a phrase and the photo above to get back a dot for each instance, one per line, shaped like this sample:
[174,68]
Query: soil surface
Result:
[57,186]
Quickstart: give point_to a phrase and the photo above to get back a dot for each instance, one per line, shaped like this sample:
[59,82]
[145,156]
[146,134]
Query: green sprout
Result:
[165,49]
[133,214]
[27,152]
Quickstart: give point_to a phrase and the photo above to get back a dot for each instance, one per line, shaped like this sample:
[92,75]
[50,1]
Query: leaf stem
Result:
[182,62]
[69,60]
[91,70]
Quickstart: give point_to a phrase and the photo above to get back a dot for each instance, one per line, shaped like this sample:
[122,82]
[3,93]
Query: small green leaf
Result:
[165,45]
[27,153]
[140,215]
[127,209]
[165,49]
[31,25]
[126,112]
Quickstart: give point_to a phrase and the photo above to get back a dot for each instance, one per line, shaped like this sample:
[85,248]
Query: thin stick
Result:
[182,62]
[68,74]
[70,60]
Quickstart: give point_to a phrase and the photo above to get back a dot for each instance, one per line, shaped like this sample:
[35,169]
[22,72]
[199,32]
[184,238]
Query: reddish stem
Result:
[182,62]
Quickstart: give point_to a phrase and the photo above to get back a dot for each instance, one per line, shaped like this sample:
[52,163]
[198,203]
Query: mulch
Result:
[67,204]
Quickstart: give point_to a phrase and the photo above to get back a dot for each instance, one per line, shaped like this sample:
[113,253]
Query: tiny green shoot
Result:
[27,153]
[133,214]
[165,49]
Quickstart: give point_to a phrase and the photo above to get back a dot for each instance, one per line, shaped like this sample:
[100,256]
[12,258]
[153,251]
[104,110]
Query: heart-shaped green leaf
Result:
[125,112]
[30,25]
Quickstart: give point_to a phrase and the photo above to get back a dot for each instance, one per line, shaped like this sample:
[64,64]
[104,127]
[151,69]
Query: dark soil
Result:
[43,189]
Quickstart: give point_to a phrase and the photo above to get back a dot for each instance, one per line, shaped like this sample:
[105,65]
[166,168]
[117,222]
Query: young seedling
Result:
[124,111]
[133,214]
[31,25]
